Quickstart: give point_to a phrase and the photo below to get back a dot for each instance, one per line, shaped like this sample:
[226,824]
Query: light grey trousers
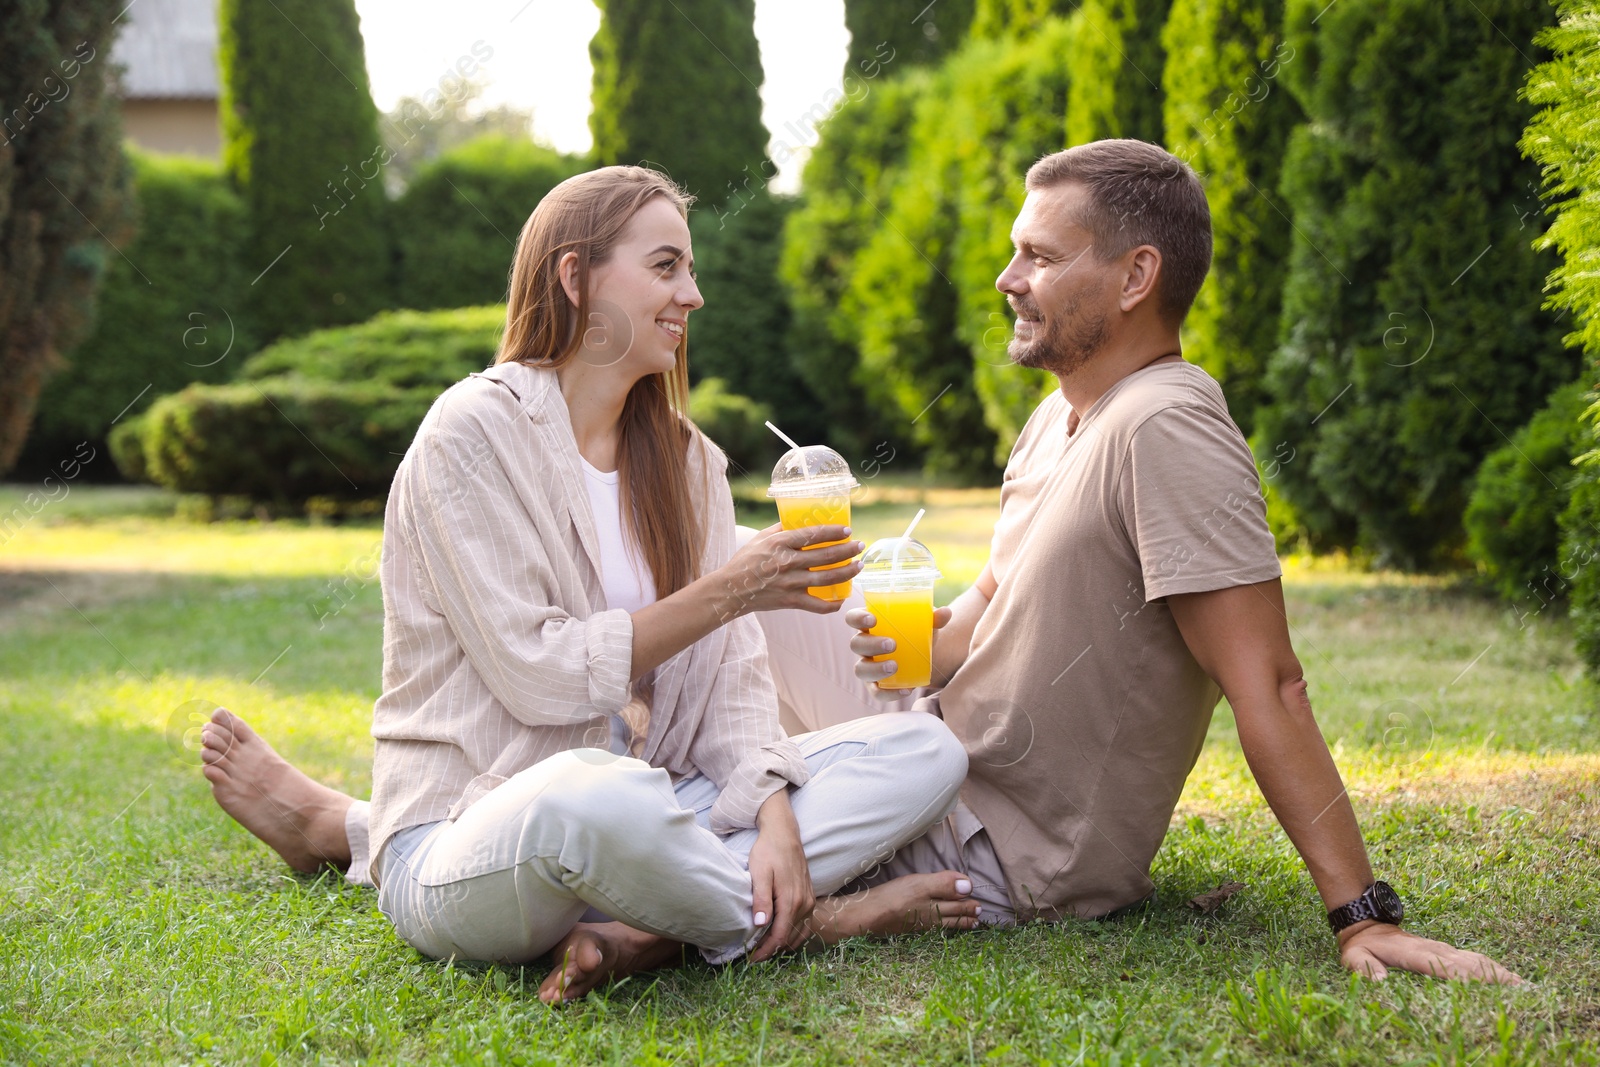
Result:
[590,832]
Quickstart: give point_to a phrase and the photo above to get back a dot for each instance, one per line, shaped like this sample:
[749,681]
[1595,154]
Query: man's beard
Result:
[1060,351]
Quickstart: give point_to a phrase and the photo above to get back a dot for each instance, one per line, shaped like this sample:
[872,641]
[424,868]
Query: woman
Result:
[577,742]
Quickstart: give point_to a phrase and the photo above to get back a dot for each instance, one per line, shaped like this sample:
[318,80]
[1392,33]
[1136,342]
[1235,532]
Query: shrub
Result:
[300,140]
[1521,491]
[1116,60]
[736,423]
[175,318]
[1411,309]
[457,223]
[282,439]
[328,414]
[428,350]
[917,31]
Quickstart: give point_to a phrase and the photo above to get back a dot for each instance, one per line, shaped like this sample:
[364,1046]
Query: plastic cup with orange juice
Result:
[897,579]
[811,486]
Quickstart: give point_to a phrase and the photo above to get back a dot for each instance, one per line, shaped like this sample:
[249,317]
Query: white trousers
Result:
[589,832]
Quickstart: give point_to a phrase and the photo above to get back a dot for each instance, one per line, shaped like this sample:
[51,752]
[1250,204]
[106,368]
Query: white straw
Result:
[786,438]
[894,558]
[805,468]
[915,519]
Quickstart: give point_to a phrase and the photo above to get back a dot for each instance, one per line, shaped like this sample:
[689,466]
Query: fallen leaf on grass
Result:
[1206,903]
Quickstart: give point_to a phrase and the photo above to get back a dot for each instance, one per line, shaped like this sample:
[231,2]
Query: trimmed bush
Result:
[1229,116]
[328,414]
[300,141]
[178,318]
[457,223]
[282,439]
[917,31]
[1411,309]
[401,349]
[1521,490]
[737,424]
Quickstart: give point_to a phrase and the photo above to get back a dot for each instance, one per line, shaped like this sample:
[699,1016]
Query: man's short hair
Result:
[1139,194]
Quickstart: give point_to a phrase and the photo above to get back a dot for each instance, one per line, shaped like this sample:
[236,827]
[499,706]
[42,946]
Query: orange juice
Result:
[797,511]
[906,615]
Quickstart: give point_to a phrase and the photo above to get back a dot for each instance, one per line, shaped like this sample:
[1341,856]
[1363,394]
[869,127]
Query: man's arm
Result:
[953,639]
[1240,637]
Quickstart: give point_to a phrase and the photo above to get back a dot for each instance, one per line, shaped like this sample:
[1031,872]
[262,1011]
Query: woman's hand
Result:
[779,877]
[866,645]
[774,571]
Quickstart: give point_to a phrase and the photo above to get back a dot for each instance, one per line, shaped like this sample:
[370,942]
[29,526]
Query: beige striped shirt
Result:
[498,648]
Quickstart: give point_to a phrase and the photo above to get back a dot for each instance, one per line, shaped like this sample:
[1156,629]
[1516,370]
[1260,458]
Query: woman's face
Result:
[640,298]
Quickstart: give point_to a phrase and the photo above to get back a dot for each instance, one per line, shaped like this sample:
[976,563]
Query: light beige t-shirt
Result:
[1081,707]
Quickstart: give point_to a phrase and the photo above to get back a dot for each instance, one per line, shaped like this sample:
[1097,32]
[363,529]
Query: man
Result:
[1132,581]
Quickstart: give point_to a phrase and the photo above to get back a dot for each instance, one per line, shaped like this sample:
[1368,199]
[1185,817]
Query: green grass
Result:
[138,924]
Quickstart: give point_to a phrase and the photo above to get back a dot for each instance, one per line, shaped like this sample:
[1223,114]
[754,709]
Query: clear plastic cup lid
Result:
[897,563]
[812,470]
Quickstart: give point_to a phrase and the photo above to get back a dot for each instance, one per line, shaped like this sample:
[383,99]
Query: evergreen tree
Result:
[851,170]
[1229,116]
[918,32]
[64,192]
[678,87]
[1117,60]
[997,18]
[1412,328]
[742,335]
[300,141]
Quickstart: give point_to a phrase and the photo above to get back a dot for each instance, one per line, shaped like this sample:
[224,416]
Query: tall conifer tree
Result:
[678,87]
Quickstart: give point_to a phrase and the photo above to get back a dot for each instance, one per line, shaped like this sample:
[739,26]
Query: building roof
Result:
[168,49]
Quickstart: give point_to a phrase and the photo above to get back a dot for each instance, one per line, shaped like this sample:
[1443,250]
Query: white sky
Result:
[541,58]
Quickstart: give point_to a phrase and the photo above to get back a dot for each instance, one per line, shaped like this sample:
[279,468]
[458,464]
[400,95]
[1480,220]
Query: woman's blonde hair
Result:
[587,214]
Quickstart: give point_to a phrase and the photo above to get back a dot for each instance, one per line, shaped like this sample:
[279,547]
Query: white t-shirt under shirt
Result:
[624,575]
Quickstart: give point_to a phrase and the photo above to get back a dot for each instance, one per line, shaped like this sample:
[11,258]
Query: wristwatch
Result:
[1379,902]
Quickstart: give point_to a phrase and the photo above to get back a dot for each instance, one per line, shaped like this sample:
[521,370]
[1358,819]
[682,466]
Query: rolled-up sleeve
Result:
[480,546]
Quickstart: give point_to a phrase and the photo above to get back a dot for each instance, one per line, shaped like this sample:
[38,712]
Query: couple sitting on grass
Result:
[579,749]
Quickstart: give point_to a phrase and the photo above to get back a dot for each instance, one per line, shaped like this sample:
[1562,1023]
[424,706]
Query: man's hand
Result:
[779,877]
[1372,948]
[866,645]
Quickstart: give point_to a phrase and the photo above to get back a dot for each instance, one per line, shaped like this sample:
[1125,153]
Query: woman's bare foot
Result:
[302,820]
[904,905]
[594,952]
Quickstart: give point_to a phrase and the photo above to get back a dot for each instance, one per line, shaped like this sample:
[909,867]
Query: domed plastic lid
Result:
[812,470]
[897,563]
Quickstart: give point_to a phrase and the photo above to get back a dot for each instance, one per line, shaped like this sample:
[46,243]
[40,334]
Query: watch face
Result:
[1387,902]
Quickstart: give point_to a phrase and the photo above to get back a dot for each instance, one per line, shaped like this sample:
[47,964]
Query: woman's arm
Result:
[772,571]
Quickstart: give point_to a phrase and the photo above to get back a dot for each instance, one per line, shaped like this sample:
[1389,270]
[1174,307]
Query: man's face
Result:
[1062,295]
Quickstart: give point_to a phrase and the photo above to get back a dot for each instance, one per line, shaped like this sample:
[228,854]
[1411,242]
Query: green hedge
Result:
[1520,492]
[457,223]
[171,310]
[737,424]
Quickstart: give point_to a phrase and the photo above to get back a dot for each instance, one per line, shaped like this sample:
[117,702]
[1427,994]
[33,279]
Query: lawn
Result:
[138,924]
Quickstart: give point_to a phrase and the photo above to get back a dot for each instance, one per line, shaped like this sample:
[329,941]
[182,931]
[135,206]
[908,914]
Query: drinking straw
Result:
[804,466]
[786,438]
[894,557]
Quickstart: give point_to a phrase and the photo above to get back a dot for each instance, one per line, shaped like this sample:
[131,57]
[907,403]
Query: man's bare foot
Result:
[594,952]
[904,905]
[302,820]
